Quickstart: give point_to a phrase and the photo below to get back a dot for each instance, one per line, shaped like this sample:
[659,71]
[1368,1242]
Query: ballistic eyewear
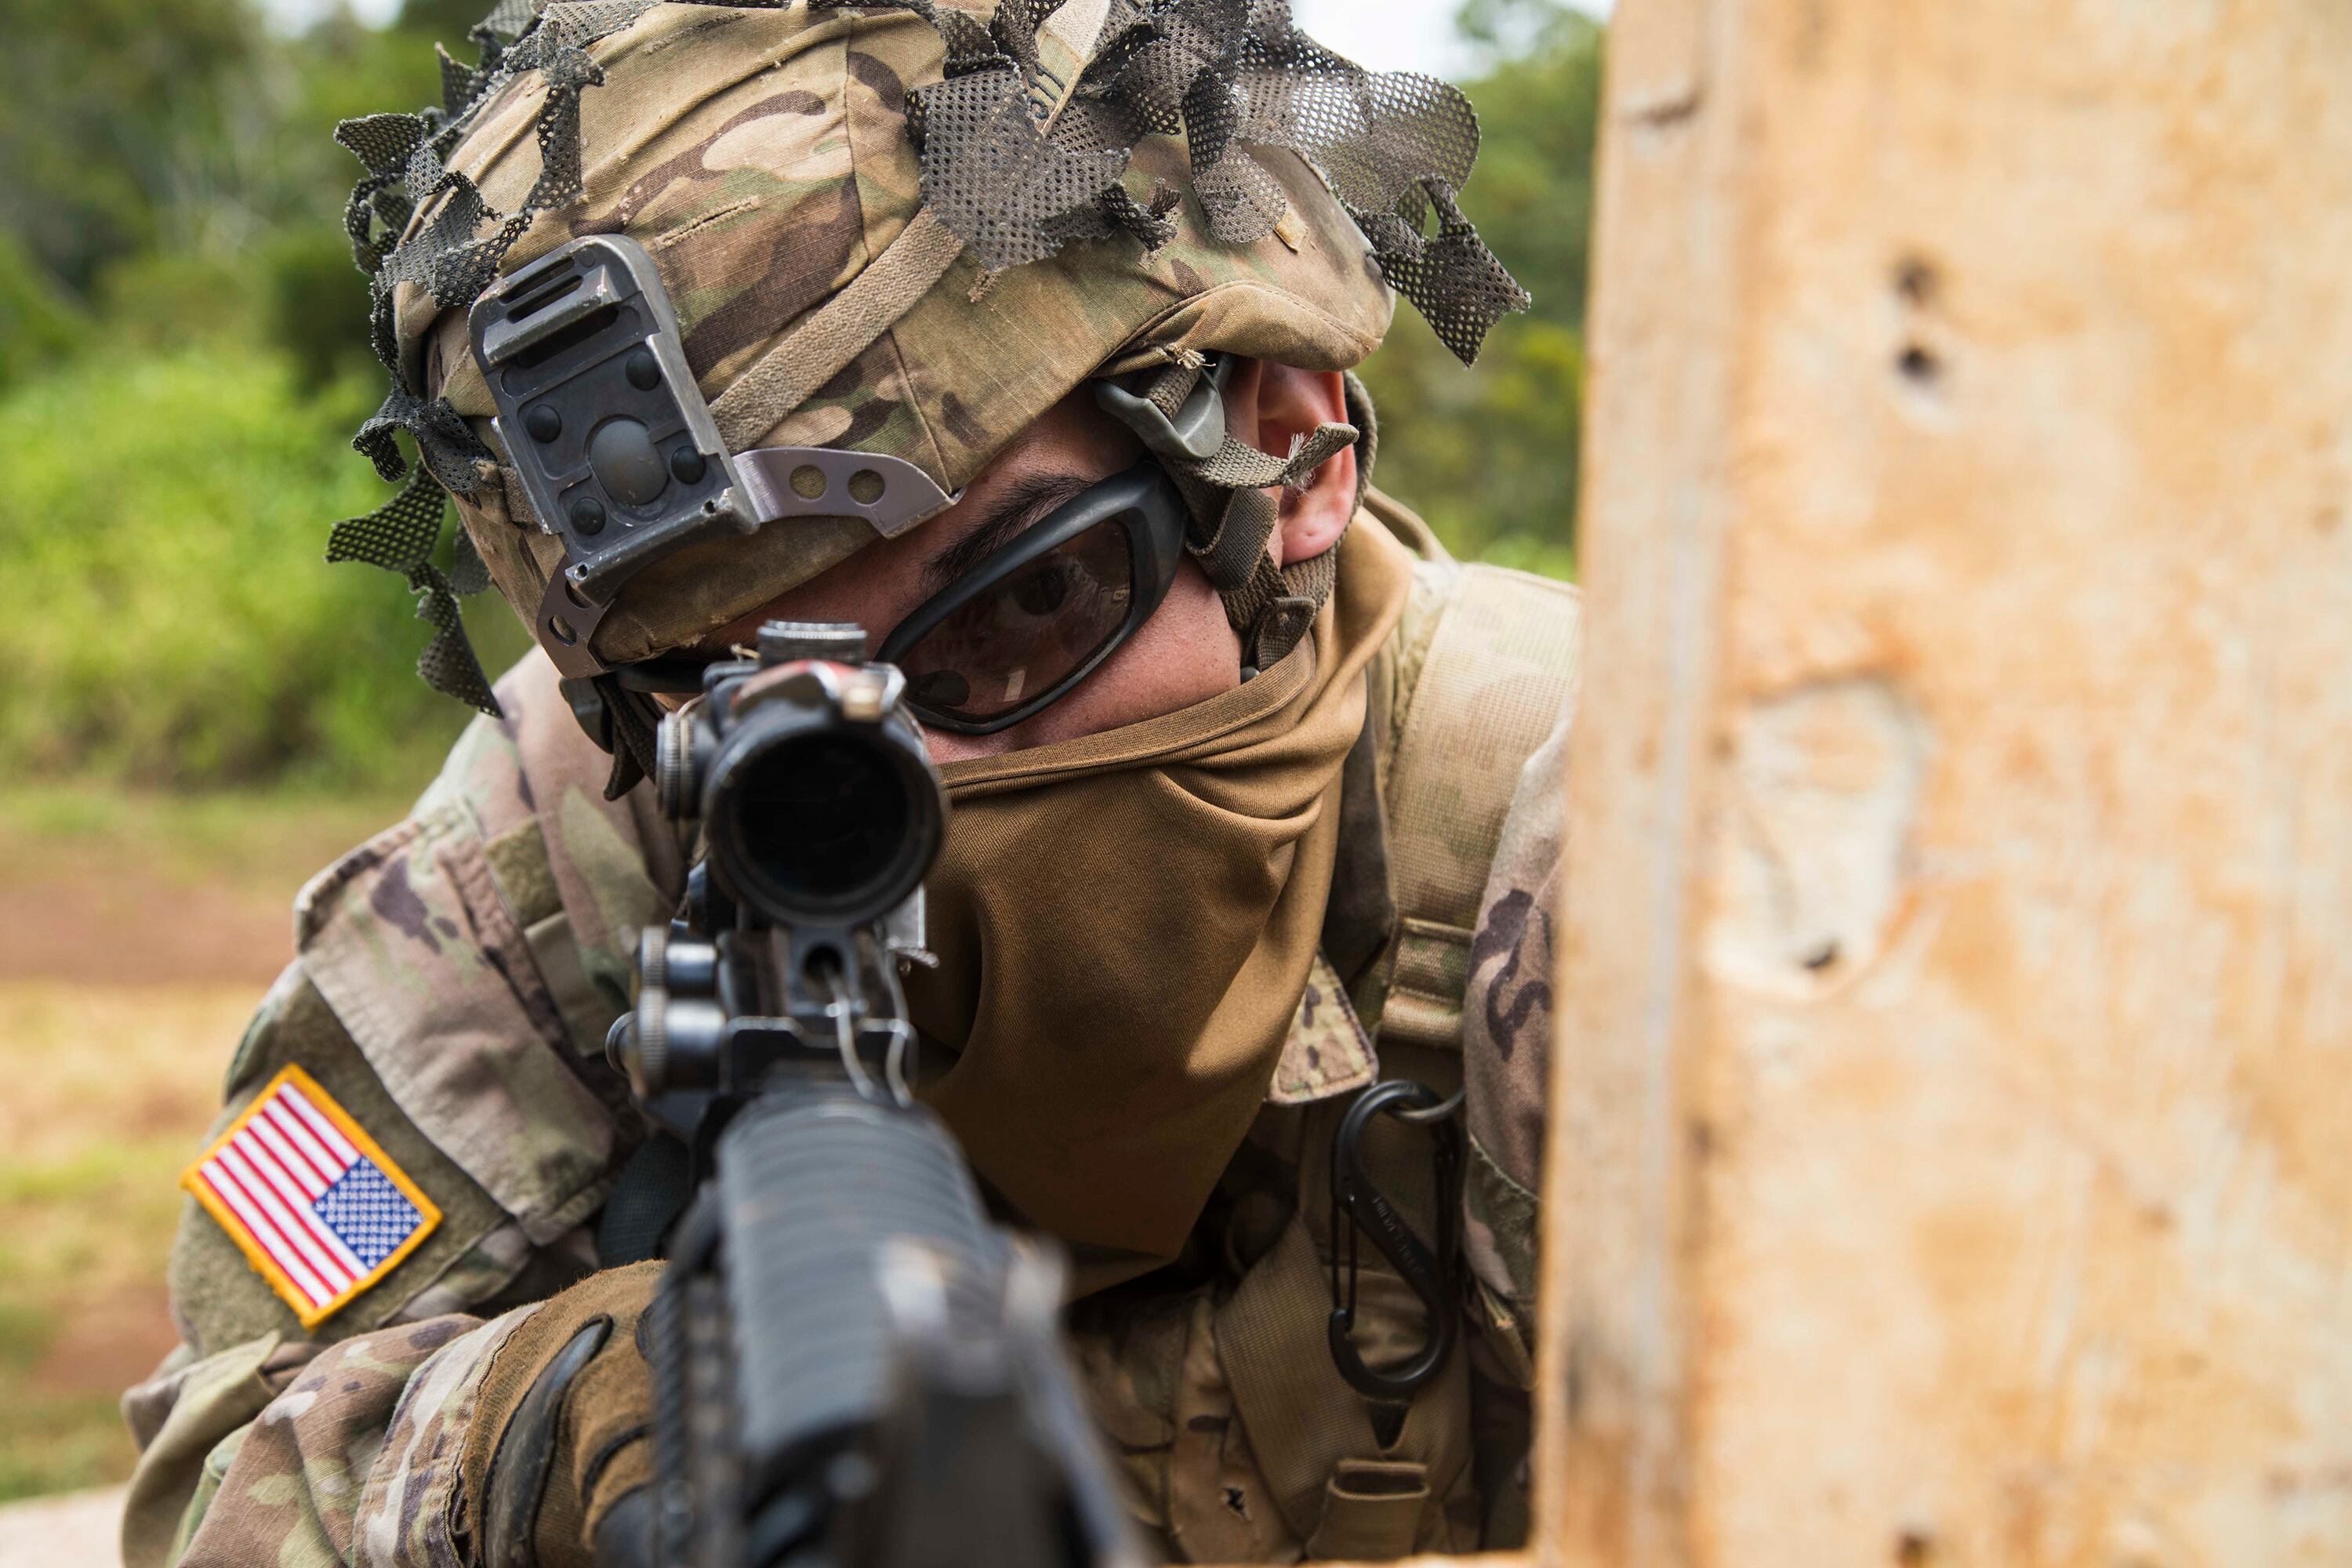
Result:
[1019,631]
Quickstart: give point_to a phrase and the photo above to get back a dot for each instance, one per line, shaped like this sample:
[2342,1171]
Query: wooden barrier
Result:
[1953,1147]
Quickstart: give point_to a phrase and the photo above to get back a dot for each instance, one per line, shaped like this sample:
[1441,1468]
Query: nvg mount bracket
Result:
[618,454]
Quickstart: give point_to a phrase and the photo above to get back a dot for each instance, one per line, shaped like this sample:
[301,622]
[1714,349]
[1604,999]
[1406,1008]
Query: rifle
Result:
[854,1366]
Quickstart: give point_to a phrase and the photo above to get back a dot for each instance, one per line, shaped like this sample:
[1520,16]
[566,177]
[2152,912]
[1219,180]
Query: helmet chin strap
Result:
[621,720]
[1178,415]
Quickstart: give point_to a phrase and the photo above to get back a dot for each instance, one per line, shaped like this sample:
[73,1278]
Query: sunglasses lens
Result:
[1027,634]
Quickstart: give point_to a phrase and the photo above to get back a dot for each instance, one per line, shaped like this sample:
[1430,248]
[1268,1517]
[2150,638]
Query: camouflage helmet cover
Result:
[1091,161]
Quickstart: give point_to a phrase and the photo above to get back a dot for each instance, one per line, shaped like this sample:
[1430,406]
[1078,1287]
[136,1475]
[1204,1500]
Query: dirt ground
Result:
[135,935]
[118,890]
[75,1529]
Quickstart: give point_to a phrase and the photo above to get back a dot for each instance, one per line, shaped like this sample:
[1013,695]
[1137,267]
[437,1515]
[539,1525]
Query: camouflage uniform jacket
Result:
[454,981]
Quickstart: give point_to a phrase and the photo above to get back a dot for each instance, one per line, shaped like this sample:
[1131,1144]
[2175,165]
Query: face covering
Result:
[1125,923]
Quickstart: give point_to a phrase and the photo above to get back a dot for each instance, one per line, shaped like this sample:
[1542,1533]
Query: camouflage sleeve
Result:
[353,1461]
[1507,1017]
[1507,1034]
[179,1416]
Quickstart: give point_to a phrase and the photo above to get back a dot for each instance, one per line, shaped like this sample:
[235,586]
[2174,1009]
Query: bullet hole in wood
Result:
[1915,281]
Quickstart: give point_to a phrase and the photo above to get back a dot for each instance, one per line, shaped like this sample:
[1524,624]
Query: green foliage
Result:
[447,20]
[312,296]
[1489,454]
[39,324]
[166,516]
[166,300]
[182,360]
[1532,193]
[182,128]
[119,118]
[316,305]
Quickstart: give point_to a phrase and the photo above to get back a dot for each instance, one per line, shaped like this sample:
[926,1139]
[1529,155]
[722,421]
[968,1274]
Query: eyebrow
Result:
[1022,506]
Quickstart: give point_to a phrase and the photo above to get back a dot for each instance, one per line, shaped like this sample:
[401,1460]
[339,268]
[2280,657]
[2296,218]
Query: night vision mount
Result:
[618,454]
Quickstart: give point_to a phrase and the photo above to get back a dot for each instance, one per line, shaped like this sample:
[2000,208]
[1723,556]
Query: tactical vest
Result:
[1215,1379]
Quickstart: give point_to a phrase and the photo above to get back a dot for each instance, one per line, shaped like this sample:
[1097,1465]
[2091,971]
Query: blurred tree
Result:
[39,324]
[1539,100]
[313,297]
[1489,454]
[443,21]
[163,299]
[121,119]
[317,303]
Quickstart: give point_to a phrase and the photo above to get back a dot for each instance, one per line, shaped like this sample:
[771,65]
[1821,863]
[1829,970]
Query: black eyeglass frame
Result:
[1143,499]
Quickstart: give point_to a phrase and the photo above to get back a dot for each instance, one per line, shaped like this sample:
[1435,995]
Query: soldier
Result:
[1216,865]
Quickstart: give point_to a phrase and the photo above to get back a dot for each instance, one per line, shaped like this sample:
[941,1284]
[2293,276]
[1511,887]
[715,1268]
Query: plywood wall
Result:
[1953,1157]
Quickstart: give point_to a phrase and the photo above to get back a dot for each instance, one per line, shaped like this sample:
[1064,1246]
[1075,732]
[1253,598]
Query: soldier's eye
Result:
[1043,588]
[1027,634]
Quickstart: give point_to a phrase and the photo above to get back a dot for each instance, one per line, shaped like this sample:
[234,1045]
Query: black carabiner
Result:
[1366,1208]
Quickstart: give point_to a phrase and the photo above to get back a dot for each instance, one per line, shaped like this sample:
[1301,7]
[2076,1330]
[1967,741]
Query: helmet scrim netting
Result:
[1012,176]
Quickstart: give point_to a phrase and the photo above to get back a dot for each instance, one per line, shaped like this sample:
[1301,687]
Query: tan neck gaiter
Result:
[1124,925]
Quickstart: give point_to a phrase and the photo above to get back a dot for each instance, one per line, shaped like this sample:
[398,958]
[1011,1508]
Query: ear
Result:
[1274,406]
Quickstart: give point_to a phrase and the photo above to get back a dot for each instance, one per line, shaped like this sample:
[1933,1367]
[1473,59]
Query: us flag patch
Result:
[319,1210]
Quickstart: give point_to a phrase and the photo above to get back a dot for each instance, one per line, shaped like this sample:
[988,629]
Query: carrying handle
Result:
[1364,1208]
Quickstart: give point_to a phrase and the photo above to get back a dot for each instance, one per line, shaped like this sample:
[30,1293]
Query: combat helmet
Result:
[907,228]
